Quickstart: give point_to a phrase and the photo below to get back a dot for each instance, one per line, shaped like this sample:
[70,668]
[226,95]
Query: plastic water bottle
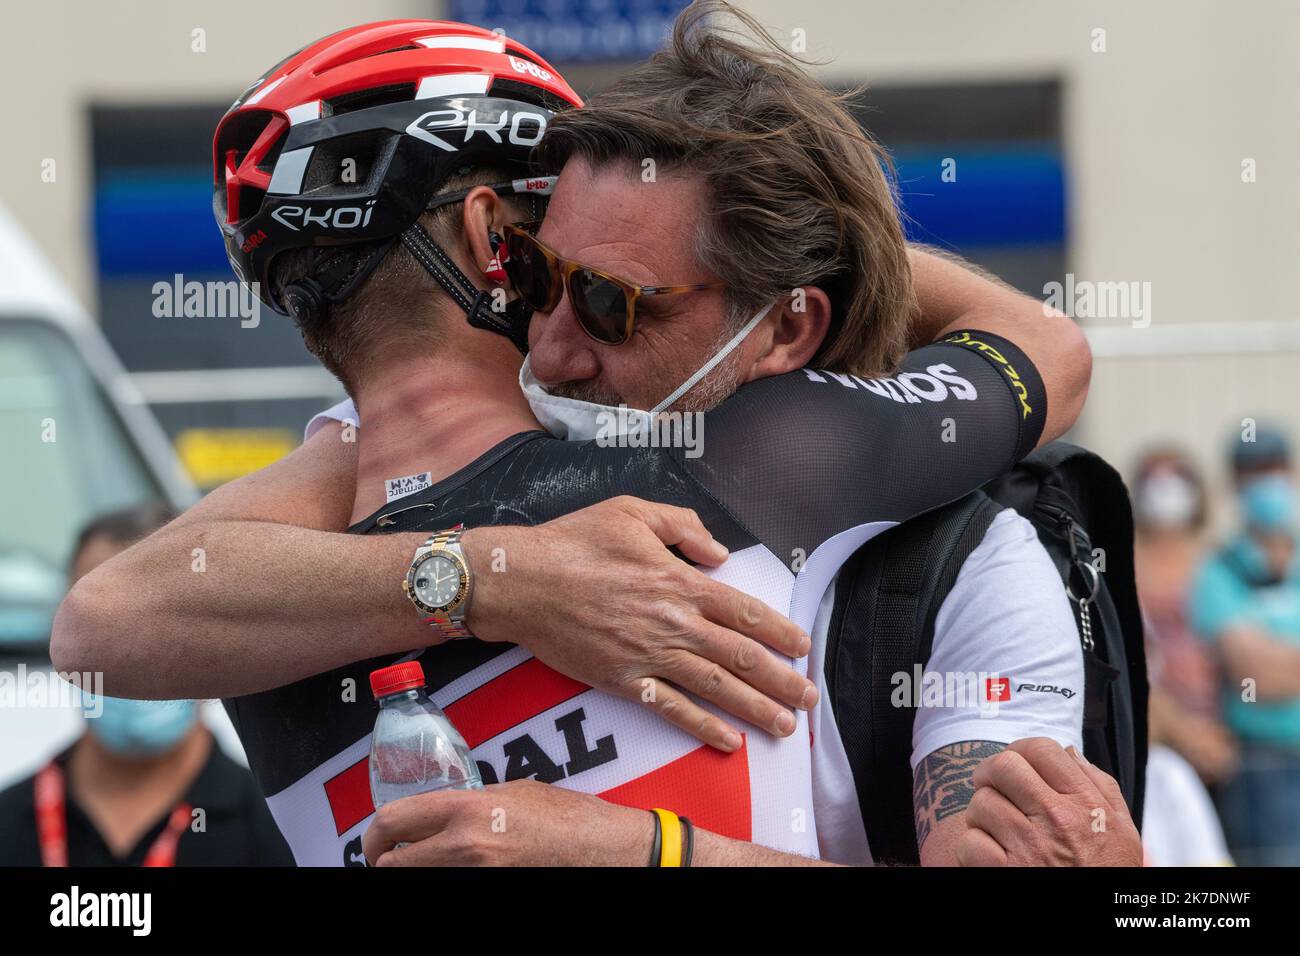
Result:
[415,748]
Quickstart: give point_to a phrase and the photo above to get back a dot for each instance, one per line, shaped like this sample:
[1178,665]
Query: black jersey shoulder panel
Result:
[799,458]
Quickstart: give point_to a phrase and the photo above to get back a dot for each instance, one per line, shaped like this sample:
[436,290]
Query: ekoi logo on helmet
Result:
[521,127]
[298,218]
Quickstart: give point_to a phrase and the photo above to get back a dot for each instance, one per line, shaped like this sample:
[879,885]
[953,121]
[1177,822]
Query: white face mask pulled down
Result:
[575,420]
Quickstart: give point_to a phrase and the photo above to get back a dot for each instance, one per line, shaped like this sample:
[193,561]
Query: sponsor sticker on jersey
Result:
[396,488]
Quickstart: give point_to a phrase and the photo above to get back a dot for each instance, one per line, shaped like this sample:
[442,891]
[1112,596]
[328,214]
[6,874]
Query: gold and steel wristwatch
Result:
[439,583]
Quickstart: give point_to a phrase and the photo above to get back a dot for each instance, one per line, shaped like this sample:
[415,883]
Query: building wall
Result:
[61,55]
[1156,130]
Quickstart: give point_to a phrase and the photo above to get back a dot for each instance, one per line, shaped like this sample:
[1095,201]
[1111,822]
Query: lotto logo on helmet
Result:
[543,185]
[298,218]
[529,68]
[521,127]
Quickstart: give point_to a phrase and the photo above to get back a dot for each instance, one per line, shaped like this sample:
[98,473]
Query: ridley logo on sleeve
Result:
[997,688]
[1065,692]
[401,487]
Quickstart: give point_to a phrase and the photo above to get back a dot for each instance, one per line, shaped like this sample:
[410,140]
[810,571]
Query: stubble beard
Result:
[714,389]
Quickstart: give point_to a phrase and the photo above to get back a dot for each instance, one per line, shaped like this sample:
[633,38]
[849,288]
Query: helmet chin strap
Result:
[512,322]
[338,276]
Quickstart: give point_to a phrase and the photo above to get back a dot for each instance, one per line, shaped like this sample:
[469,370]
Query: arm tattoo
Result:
[941,785]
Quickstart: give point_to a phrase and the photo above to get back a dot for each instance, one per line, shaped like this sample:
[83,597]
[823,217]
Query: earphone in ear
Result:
[496,270]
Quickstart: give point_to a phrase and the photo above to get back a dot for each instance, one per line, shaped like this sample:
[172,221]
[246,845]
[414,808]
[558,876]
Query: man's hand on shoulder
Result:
[1037,804]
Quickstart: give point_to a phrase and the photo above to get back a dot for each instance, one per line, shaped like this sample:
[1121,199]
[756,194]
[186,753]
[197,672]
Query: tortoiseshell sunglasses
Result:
[604,304]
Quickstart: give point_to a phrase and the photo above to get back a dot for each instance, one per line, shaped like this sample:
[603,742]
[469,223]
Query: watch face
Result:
[437,581]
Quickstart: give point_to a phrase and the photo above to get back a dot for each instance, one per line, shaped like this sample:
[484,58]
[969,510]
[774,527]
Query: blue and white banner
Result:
[567,31]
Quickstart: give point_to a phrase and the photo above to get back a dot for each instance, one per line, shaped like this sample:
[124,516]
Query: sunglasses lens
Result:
[601,306]
[529,272]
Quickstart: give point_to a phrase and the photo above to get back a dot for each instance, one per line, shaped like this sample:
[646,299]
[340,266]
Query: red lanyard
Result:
[52,823]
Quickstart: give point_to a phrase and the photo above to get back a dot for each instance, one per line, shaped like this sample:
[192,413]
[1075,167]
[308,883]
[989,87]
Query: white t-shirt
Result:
[1006,619]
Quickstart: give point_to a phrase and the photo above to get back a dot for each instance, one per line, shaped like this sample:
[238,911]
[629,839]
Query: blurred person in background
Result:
[127,791]
[1169,512]
[1245,602]
[1188,751]
[1179,824]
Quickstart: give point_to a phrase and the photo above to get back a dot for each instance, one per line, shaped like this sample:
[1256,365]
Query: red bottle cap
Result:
[395,679]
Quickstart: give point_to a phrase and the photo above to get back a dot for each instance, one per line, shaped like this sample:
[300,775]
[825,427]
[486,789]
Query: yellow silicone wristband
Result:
[670,852]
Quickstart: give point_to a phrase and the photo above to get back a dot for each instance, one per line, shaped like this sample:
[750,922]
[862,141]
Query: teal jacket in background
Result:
[1229,591]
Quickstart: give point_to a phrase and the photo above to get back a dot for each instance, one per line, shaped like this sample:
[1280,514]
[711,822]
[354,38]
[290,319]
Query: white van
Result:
[76,441]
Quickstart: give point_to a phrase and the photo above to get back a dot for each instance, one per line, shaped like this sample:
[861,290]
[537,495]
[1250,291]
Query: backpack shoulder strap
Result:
[887,598]
[1078,504]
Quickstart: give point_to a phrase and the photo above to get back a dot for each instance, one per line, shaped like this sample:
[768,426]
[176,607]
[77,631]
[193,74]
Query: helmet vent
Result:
[527,93]
[250,202]
[396,49]
[268,162]
[365,99]
[239,131]
[358,153]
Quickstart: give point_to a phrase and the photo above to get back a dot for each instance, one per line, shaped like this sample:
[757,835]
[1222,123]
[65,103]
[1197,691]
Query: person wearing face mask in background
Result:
[126,792]
[1245,602]
[1190,746]
[1169,512]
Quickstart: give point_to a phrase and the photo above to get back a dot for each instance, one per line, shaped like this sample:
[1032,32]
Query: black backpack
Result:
[889,594]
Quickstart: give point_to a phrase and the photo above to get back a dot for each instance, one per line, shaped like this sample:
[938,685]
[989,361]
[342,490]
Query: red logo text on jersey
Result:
[709,787]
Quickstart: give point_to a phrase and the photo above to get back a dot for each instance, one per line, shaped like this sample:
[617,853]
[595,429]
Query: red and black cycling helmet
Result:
[347,141]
